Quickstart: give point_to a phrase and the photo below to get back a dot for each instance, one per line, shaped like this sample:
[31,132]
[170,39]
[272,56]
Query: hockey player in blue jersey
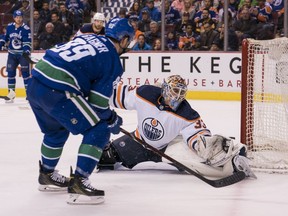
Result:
[69,93]
[18,35]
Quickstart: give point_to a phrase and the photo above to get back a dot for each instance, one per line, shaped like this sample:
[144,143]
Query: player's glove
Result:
[26,56]
[114,122]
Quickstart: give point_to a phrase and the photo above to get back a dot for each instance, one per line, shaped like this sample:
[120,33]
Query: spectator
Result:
[178,5]
[262,12]
[39,25]
[144,23]
[171,42]
[77,9]
[204,18]
[48,39]
[25,8]
[45,13]
[212,12]
[215,46]
[2,38]
[157,44]
[134,23]
[180,26]
[232,11]
[54,5]
[208,36]
[245,26]
[189,8]
[38,4]
[122,13]
[233,41]
[66,17]
[154,13]
[59,28]
[153,34]
[36,44]
[134,9]
[141,44]
[171,15]
[190,39]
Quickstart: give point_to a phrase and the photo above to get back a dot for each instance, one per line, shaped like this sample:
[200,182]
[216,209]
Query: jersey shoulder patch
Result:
[26,27]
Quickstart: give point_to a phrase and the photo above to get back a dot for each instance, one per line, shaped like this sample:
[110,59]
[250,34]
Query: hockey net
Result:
[264,103]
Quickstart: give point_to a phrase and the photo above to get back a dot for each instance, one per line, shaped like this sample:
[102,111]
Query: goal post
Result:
[264,103]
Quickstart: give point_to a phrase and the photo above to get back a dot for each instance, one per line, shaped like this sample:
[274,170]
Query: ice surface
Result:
[149,189]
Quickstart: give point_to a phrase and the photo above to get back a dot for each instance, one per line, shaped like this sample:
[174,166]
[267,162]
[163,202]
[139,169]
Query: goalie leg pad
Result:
[131,153]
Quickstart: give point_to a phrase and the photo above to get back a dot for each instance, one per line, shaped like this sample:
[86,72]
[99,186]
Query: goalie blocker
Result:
[216,156]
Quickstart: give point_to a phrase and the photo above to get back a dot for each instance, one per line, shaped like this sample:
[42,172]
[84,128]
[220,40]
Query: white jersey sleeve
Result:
[124,97]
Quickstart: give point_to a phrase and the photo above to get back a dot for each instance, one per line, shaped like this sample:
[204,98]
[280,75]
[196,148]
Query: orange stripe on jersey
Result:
[137,134]
[118,96]
[193,138]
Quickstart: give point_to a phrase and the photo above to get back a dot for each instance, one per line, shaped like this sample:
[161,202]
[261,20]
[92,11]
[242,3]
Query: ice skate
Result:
[52,182]
[80,186]
[241,163]
[10,97]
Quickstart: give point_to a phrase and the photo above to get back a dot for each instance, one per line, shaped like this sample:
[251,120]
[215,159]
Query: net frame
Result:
[264,103]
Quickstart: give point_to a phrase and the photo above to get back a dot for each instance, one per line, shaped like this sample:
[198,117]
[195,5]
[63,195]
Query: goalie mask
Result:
[174,90]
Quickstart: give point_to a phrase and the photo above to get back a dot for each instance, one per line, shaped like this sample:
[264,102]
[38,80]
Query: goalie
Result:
[163,116]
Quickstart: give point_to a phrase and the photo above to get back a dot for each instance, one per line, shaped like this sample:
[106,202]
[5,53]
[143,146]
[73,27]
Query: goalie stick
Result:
[217,183]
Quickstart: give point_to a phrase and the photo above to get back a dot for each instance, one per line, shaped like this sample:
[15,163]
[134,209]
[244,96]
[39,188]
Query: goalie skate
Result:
[52,182]
[81,192]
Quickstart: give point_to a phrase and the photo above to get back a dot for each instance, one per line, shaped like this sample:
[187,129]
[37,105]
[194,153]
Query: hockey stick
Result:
[30,59]
[226,181]
[4,97]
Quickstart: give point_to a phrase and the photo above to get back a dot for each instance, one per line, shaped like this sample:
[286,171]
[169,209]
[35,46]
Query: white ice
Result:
[149,189]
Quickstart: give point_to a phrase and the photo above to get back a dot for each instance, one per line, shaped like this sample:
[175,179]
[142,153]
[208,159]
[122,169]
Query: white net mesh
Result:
[267,104]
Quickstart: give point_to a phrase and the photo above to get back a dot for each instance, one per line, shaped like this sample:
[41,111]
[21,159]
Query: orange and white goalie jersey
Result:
[158,124]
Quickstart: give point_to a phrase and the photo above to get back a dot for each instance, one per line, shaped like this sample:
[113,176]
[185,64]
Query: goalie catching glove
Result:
[217,150]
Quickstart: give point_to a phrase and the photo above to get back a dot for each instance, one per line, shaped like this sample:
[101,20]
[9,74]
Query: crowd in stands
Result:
[189,24]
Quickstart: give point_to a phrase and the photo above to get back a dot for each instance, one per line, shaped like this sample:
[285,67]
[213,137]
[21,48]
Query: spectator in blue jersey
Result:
[154,13]
[69,93]
[77,9]
[172,16]
[18,34]
[141,45]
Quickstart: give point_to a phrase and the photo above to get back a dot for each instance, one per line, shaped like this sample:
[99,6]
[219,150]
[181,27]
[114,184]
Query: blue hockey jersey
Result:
[19,38]
[89,65]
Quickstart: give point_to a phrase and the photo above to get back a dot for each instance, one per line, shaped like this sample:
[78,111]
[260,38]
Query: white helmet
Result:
[99,16]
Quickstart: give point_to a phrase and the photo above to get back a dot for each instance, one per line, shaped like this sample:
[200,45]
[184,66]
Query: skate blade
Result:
[10,101]
[77,199]
[51,188]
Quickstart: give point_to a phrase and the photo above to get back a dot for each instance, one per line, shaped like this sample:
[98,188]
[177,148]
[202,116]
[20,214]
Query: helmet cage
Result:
[174,92]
